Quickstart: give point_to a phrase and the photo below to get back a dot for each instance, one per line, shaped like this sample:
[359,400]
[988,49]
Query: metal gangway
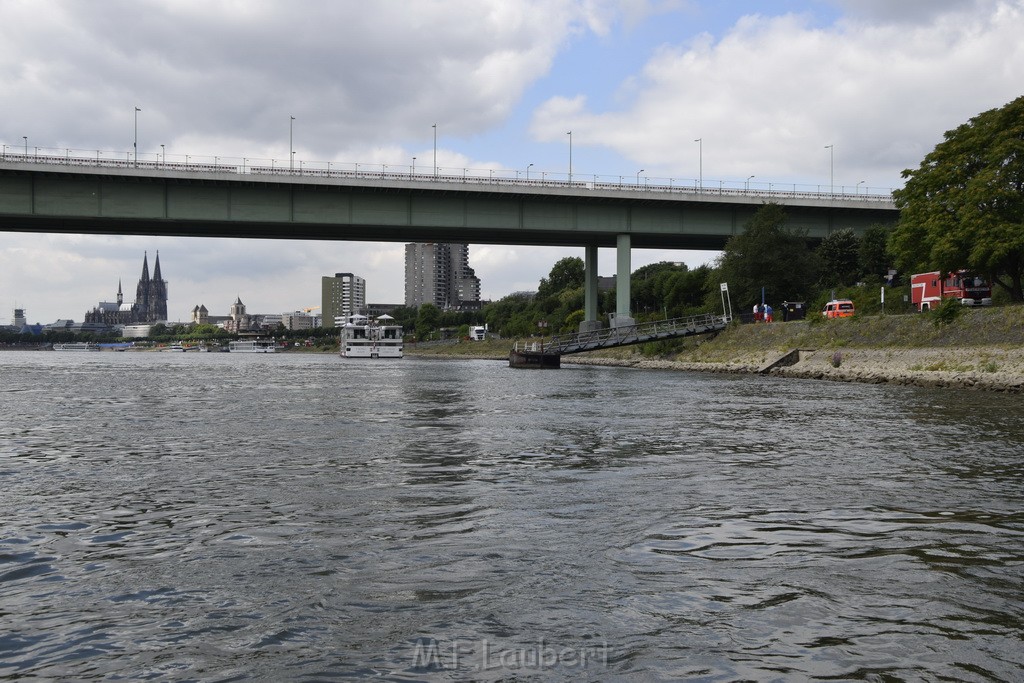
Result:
[563,344]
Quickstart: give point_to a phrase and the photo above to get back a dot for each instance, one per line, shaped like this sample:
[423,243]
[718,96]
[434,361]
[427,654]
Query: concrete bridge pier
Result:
[590,322]
[622,316]
[623,269]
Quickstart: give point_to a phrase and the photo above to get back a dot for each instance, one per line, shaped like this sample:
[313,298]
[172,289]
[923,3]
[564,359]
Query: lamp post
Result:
[413,171]
[163,156]
[136,143]
[831,169]
[570,156]
[25,138]
[700,164]
[528,172]
[291,148]
[435,149]
[638,177]
[858,187]
[746,185]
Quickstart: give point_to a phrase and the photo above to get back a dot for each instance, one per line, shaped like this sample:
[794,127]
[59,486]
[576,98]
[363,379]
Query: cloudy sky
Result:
[765,85]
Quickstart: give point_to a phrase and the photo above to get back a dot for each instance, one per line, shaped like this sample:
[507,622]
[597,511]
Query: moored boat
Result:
[362,337]
[252,346]
[76,346]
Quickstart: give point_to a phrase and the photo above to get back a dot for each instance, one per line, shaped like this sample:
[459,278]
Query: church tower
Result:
[151,293]
[150,301]
[142,291]
[158,293]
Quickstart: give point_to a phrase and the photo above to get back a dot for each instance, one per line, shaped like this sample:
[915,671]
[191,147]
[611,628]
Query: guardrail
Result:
[478,177]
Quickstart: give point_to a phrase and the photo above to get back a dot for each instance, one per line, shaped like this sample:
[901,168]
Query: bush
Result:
[946,312]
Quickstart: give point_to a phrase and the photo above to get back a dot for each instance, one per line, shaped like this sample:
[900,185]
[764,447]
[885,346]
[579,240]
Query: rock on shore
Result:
[987,368]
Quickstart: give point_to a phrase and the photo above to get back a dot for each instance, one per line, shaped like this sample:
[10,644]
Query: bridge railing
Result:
[612,336]
[475,177]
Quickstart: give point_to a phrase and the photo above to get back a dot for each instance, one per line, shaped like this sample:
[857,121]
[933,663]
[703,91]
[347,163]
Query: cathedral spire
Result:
[145,266]
[120,295]
[156,267]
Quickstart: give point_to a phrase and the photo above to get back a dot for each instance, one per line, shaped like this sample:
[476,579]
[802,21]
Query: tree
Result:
[839,259]
[427,320]
[873,256]
[567,272]
[768,255]
[668,289]
[963,207]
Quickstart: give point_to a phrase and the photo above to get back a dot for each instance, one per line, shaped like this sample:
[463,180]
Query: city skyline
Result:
[809,92]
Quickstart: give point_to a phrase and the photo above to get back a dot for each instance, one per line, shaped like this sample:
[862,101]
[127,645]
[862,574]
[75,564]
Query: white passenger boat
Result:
[362,337]
[252,346]
[76,346]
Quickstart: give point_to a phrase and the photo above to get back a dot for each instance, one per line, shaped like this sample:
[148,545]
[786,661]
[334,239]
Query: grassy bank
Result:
[981,348]
[1001,327]
[994,327]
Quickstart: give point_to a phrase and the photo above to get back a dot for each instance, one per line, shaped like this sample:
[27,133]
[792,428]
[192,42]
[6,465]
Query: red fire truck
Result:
[927,290]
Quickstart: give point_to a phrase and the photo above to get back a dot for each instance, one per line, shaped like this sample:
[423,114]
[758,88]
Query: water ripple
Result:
[215,517]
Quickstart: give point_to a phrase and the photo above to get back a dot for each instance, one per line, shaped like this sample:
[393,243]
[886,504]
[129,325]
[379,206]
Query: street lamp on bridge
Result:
[746,185]
[136,143]
[570,156]
[700,163]
[831,168]
[638,177]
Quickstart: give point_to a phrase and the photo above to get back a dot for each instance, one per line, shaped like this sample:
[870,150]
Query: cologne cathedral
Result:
[150,301]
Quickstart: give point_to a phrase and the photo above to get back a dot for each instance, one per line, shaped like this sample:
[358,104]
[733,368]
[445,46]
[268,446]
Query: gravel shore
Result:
[986,368]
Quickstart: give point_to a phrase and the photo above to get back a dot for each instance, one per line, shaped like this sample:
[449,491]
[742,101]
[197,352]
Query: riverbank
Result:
[980,349]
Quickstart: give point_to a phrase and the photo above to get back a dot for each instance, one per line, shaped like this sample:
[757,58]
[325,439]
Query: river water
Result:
[305,517]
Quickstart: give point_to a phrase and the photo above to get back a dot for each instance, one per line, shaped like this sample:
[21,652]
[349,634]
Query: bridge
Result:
[107,195]
[548,355]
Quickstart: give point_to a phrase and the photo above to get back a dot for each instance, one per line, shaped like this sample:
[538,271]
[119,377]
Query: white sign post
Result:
[725,295]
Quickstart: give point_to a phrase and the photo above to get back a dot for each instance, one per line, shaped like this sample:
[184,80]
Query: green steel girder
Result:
[233,205]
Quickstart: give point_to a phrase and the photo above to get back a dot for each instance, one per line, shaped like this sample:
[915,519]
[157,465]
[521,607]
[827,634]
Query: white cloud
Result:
[767,97]
[199,69]
[366,81]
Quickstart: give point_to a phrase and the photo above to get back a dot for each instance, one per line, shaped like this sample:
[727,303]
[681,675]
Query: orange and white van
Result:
[838,308]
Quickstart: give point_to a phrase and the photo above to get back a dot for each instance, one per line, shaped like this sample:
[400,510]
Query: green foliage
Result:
[573,320]
[657,290]
[963,207]
[946,312]
[428,319]
[569,272]
[668,290]
[873,256]
[839,258]
[768,255]
[207,331]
